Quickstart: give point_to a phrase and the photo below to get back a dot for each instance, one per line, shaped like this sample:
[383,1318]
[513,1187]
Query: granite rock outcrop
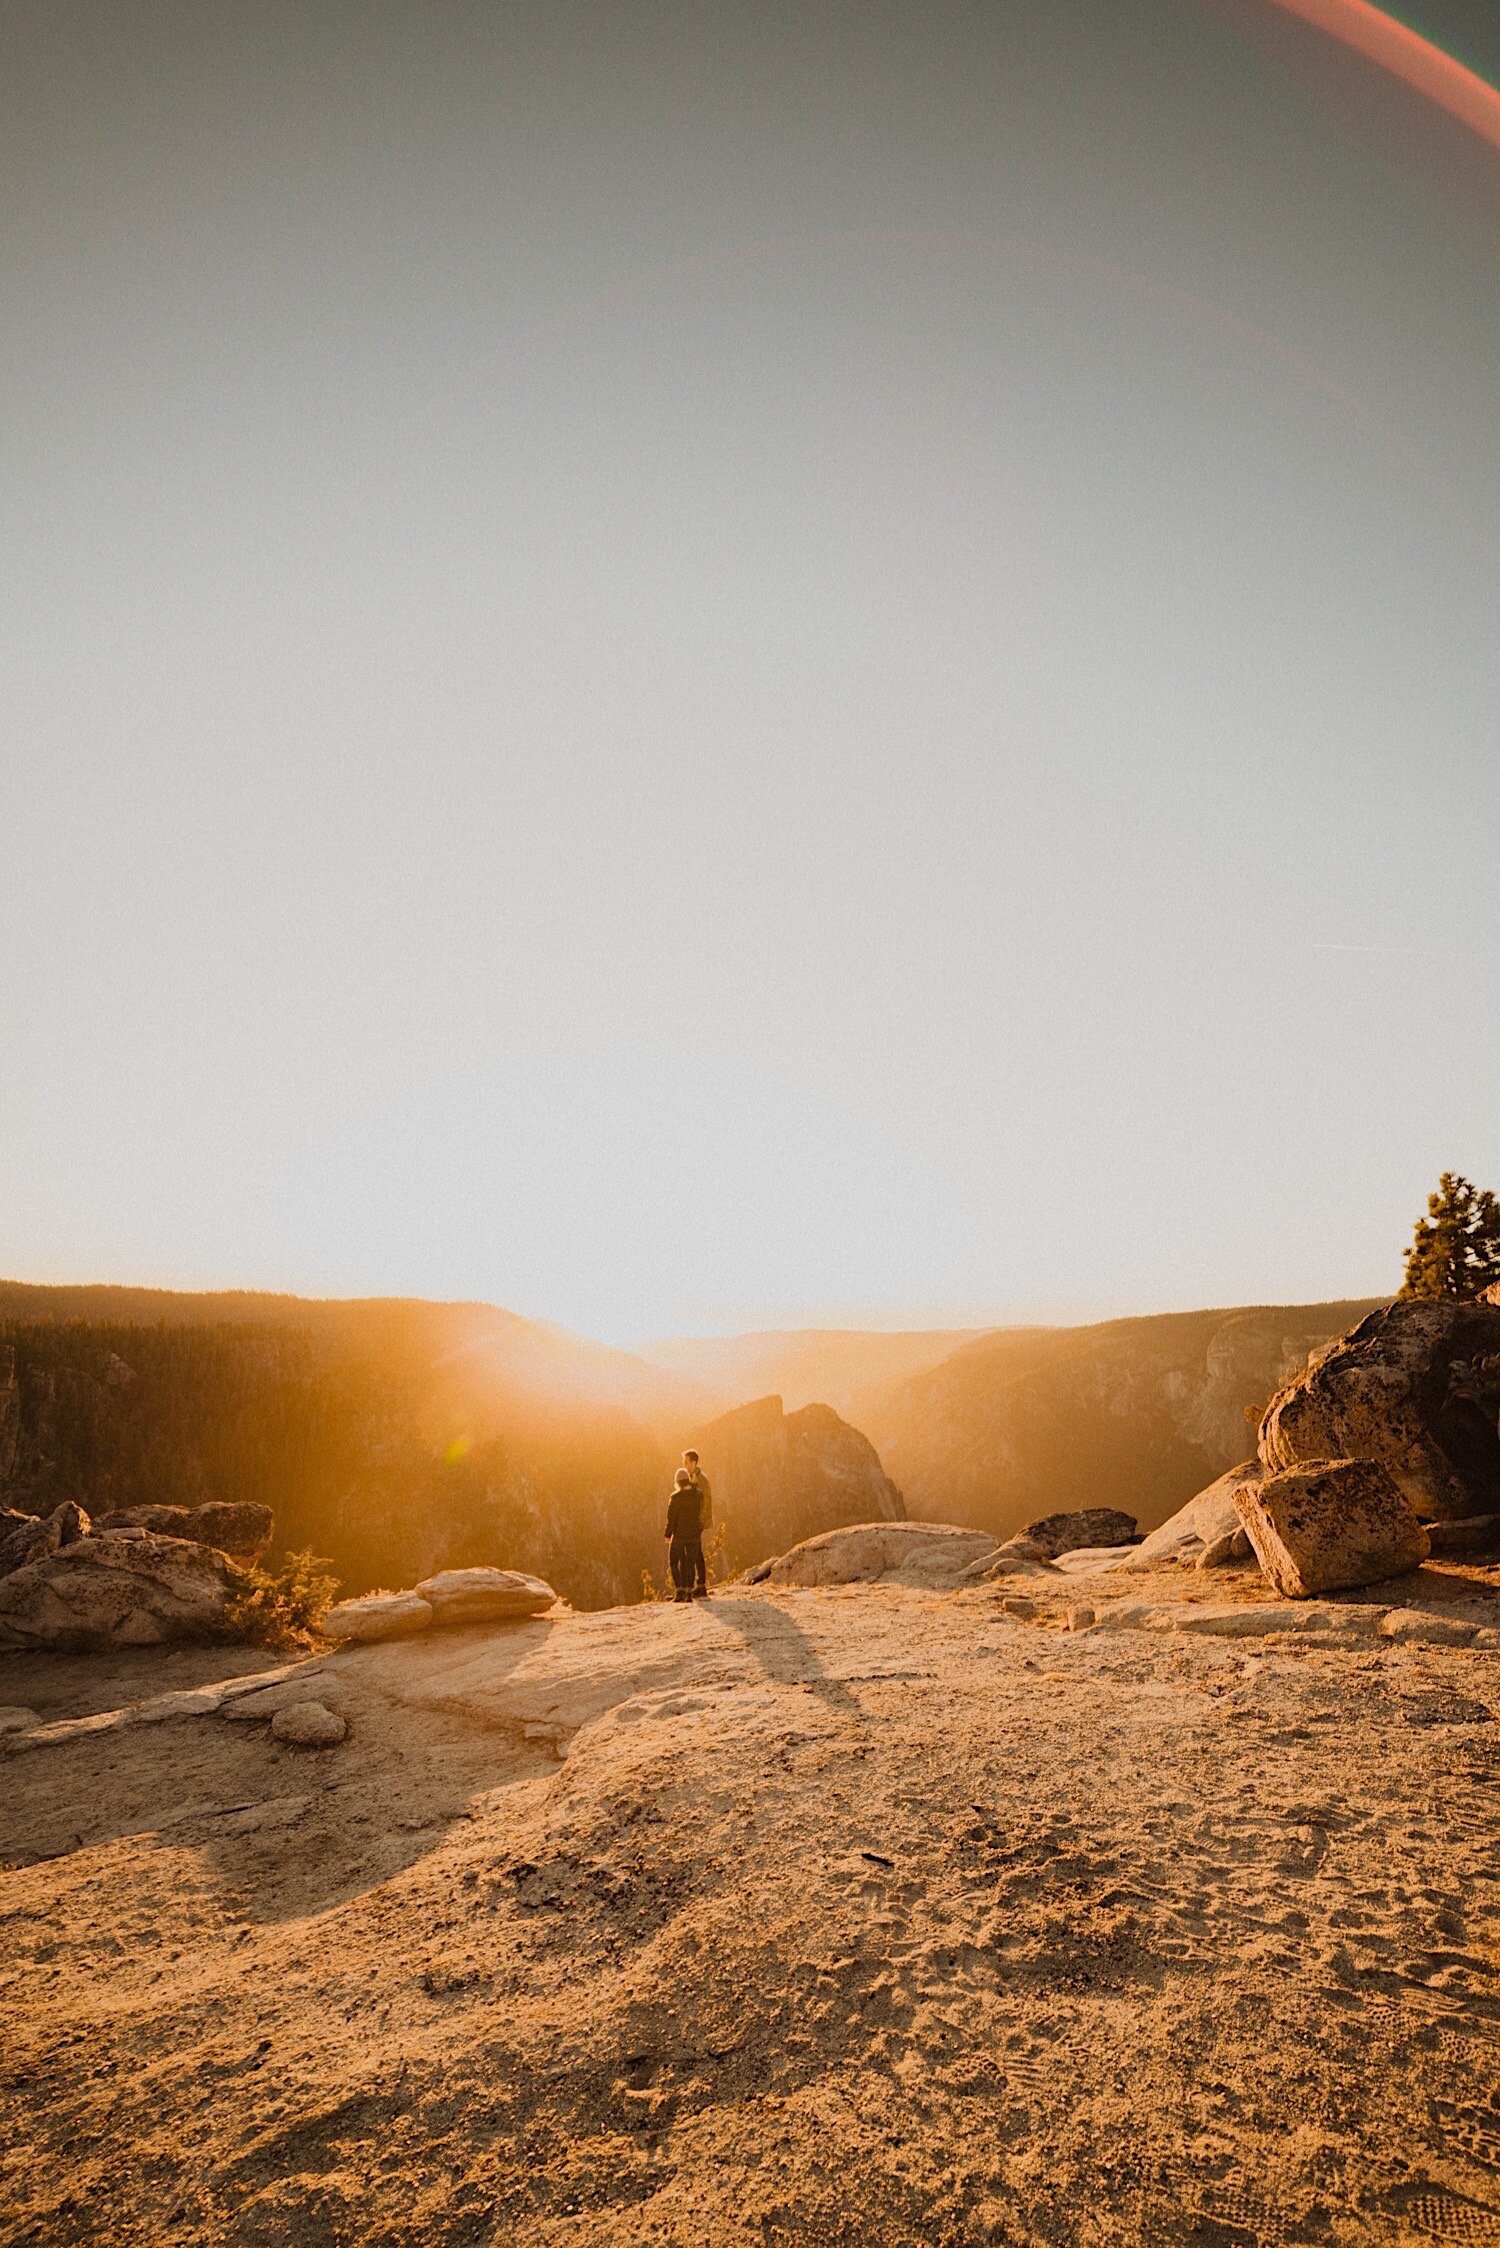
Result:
[1415,1386]
[780,1477]
[116,1590]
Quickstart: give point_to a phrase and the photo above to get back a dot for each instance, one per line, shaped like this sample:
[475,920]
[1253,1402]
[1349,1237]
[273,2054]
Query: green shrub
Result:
[280,1607]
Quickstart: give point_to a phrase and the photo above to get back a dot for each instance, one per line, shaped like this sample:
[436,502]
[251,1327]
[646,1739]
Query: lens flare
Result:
[1407,55]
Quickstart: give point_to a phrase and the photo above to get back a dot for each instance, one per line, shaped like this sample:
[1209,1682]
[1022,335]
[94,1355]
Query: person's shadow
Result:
[783,1649]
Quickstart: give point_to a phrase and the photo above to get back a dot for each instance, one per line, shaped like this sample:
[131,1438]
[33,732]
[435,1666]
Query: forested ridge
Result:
[364,1443]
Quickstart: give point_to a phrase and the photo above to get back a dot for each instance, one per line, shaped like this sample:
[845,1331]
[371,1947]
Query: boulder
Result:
[474,1596]
[1089,1526]
[115,1592]
[29,1537]
[779,1477]
[377,1615]
[239,1528]
[1200,1524]
[309,1725]
[920,1553]
[1331,1523]
[1415,1386]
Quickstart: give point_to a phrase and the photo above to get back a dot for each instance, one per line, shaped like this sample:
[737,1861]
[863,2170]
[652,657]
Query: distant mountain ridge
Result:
[486,1349]
[807,1366]
[1133,1413]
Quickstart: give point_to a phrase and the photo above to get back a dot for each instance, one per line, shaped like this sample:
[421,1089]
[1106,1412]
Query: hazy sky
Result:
[727,664]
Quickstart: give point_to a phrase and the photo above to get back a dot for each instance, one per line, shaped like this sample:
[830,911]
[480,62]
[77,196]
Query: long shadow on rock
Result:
[284,1831]
[783,1649]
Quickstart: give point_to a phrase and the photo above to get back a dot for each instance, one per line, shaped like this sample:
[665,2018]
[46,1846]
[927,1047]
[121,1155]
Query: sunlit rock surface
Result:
[1415,1386]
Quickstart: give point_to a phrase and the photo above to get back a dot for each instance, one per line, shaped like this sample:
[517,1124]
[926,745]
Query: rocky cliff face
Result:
[1138,1414]
[779,1477]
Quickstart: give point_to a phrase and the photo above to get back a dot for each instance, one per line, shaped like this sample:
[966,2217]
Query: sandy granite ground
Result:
[871,1916]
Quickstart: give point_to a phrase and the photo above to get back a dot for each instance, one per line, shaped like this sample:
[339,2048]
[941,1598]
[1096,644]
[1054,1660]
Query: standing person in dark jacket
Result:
[702,1486]
[685,1538]
[704,1490]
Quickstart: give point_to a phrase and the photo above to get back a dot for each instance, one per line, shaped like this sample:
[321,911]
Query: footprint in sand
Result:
[1434,2215]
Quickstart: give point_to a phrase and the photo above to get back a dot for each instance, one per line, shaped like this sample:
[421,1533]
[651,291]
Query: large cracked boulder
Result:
[932,1554]
[28,1537]
[1416,1387]
[1329,1524]
[102,1592]
[239,1528]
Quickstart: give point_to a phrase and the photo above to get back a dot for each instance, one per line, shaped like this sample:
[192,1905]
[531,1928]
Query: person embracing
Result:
[688,1516]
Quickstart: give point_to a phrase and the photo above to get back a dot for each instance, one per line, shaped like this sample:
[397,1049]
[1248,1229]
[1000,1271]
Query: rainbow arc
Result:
[1371,32]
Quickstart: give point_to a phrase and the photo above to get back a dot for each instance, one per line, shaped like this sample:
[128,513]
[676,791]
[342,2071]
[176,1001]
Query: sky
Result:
[720,665]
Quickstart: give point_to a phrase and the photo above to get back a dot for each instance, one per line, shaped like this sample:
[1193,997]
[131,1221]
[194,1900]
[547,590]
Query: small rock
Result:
[1093,1561]
[1209,1516]
[932,1554]
[1024,1610]
[15,1719]
[1080,1619]
[1018,1557]
[1415,1626]
[308,1725]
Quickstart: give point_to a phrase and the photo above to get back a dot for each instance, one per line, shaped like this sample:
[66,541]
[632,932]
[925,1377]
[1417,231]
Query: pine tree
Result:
[1455,1251]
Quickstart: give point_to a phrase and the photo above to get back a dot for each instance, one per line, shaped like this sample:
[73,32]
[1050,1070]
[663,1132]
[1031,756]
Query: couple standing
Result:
[690,1513]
